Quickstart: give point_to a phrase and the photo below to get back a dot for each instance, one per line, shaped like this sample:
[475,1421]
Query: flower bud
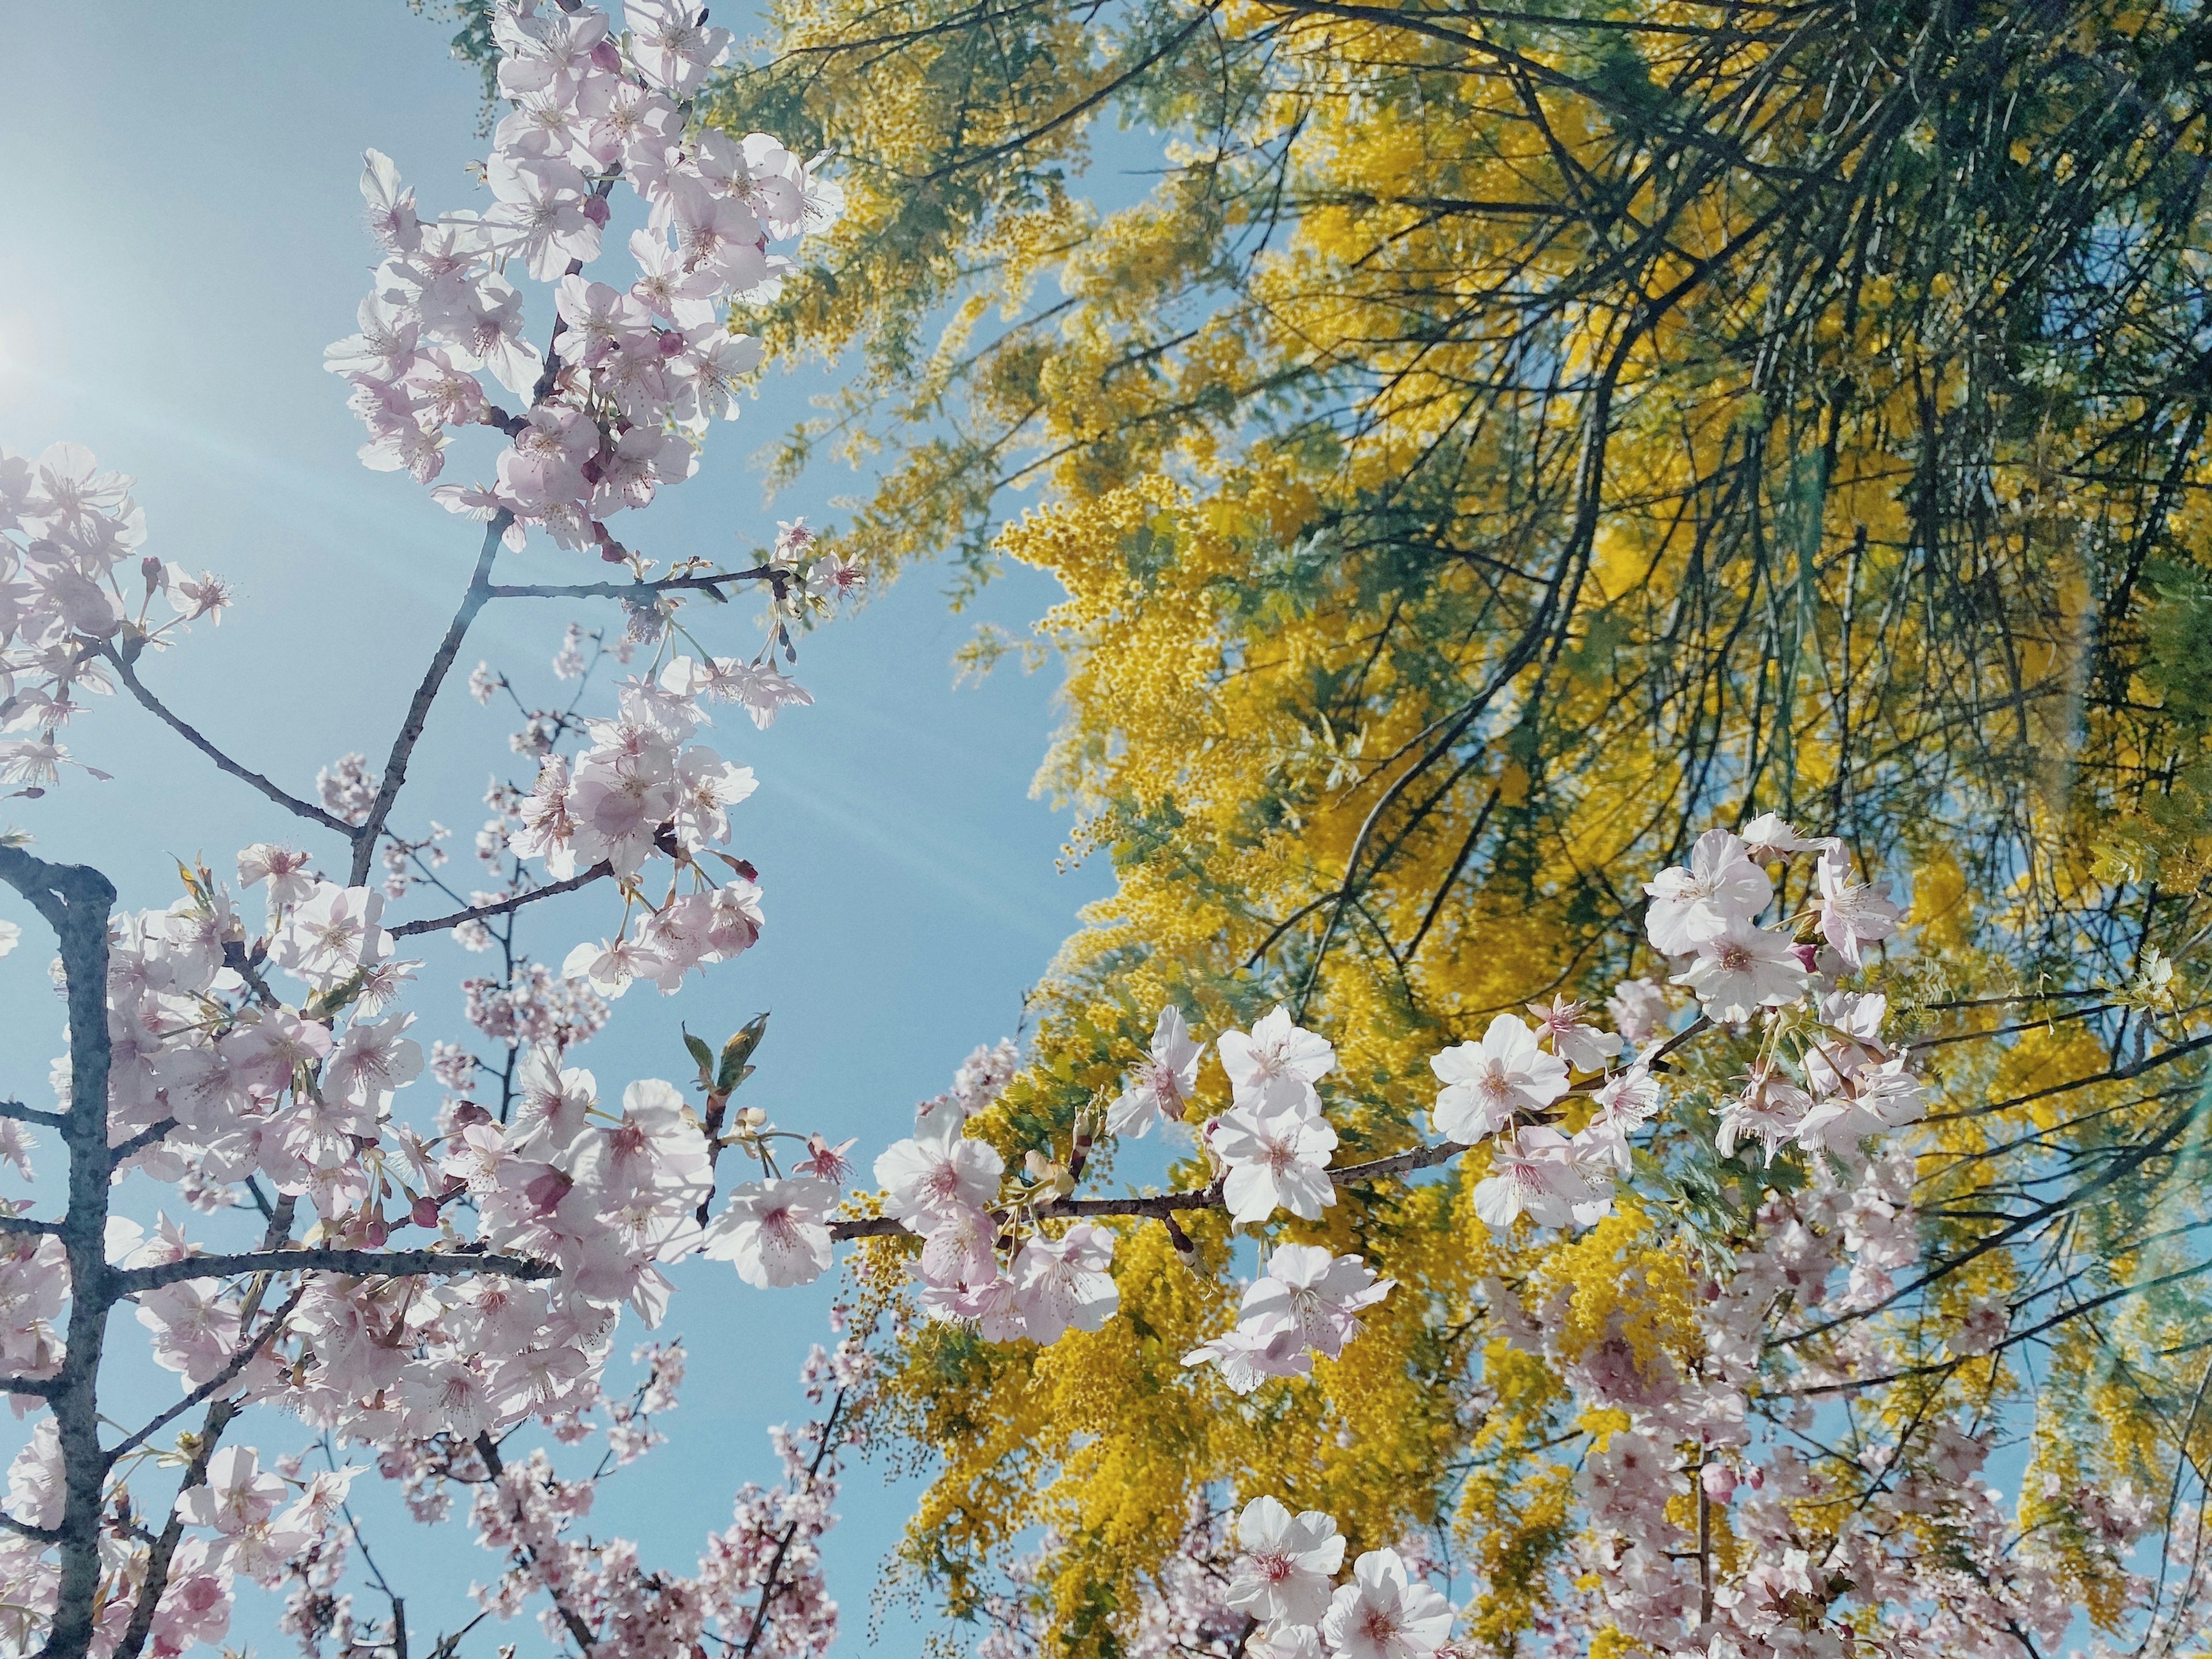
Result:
[546,1189]
[1718,1481]
[595,210]
[424,1213]
[605,55]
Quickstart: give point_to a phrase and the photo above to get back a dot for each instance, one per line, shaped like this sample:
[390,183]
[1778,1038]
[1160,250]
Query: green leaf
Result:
[736,1051]
[702,1055]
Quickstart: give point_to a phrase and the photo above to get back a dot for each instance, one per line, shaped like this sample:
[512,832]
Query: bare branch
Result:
[482,912]
[155,706]
[145,1138]
[418,711]
[634,591]
[214,1385]
[42,1535]
[23,1223]
[23,1114]
[358,1264]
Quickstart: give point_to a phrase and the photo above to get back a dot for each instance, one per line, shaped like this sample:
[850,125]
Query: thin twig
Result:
[503,906]
[161,711]
[214,1385]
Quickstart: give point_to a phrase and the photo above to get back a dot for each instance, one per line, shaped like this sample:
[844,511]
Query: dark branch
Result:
[484,912]
[214,1385]
[153,706]
[358,1264]
[633,591]
[418,711]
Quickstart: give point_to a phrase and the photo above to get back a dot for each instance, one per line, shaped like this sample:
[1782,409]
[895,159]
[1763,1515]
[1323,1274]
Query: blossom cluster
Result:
[268,1062]
[943,1183]
[759,1583]
[1823,1080]
[1285,1580]
[612,408]
[1821,1534]
[70,591]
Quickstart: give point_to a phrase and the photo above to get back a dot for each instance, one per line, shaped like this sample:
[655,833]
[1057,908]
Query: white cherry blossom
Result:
[774,1232]
[1384,1614]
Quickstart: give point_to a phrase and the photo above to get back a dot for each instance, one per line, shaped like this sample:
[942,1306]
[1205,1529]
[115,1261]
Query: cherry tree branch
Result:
[358,1264]
[75,902]
[769,1586]
[488,1449]
[126,1151]
[418,711]
[633,590]
[161,711]
[214,1385]
[40,1534]
[1160,1206]
[23,1114]
[164,1551]
[484,912]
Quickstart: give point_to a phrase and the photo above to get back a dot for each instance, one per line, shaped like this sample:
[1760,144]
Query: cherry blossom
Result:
[1721,887]
[1383,1614]
[774,1231]
[331,935]
[1307,1302]
[1284,1575]
[1534,1172]
[1740,969]
[1278,1061]
[1063,1283]
[1487,1082]
[1160,1086]
[1853,915]
[1582,1047]
[1277,1155]
[939,1170]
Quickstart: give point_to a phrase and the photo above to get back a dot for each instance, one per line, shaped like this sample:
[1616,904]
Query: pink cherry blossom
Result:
[1487,1082]
[1160,1086]
[940,1169]
[1721,888]
[1063,1283]
[1277,1156]
[774,1232]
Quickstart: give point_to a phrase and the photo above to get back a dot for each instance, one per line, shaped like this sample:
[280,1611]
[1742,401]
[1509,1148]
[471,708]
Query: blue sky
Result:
[183,239]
